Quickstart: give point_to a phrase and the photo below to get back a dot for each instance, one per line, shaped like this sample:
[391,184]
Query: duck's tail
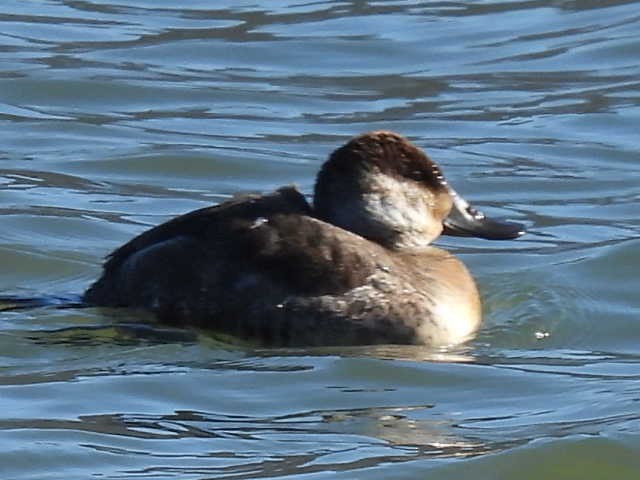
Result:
[15,302]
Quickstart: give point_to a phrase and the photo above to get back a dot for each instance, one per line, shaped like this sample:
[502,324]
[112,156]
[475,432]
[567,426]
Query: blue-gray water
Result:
[116,115]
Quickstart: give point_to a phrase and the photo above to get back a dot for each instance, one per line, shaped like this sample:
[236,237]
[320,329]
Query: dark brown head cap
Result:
[379,151]
[387,152]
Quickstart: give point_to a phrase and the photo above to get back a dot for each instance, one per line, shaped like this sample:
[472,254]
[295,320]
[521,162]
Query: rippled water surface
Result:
[116,115]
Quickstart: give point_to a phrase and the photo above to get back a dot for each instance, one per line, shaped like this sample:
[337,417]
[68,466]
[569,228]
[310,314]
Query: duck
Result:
[355,267]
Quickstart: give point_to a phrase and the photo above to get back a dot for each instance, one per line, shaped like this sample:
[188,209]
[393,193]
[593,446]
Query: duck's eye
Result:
[416,175]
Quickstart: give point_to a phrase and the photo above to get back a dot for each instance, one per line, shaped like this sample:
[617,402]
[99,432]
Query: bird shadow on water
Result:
[242,444]
[262,447]
[302,440]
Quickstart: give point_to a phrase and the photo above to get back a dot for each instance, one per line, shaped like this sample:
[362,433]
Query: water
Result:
[117,115]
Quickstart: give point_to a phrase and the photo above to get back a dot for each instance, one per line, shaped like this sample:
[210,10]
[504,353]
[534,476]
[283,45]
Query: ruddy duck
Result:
[355,268]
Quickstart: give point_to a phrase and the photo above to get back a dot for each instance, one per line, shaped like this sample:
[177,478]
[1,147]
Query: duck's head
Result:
[382,187]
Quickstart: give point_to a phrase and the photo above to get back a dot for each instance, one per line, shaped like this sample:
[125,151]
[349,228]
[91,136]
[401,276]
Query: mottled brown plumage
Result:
[355,269]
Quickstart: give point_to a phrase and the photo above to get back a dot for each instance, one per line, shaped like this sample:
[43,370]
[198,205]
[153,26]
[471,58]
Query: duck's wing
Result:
[242,246]
[304,255]
[218,218]
[257,267]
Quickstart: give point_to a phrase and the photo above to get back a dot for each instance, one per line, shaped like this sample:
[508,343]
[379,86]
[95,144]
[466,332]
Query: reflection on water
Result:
[118,115]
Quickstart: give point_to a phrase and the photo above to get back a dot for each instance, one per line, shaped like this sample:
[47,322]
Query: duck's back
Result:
[259,267]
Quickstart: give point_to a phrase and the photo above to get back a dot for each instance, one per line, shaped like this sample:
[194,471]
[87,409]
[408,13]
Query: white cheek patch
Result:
[404,207]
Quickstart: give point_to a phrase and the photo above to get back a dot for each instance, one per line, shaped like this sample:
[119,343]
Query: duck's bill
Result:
[466,221]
